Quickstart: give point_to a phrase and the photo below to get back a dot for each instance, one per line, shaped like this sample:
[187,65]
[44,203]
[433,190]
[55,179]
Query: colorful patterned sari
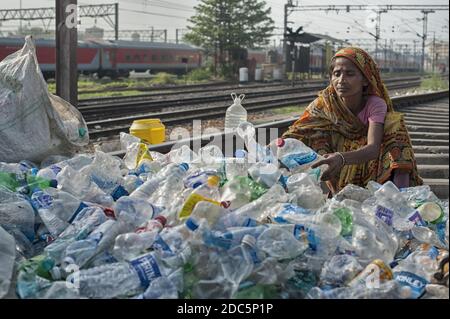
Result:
[328,126]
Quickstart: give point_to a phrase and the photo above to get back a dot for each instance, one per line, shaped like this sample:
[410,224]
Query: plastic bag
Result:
[34,123]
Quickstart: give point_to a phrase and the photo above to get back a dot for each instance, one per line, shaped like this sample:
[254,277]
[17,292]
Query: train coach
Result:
[113,58]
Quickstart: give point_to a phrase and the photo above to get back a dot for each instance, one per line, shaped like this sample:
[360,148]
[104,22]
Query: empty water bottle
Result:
[235,114]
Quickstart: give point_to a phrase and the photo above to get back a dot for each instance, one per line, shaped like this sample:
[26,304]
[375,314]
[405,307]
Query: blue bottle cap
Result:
[191,224]
[196,184]
[34,171]
[53,183]
[184,166]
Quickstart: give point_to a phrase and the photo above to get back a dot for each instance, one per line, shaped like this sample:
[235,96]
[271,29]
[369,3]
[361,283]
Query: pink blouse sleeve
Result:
[377,110]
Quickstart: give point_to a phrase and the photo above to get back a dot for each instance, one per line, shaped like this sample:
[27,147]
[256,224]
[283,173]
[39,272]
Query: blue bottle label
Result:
[292,161]
[289,209]
[384,214]
[118,192]
[440,231]
[416,283]
[42,200]
[255,257]
[146,268]
[160,244]
[417,219]
[55,169]
[306,235]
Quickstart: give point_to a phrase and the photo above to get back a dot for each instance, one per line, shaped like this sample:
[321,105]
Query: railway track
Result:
[198,89]
[427,119]
[255,102]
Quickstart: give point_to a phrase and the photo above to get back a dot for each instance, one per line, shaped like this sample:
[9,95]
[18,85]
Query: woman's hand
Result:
[335,163]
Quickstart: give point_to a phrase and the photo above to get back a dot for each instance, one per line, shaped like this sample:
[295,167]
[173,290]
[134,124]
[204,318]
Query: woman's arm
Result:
[364,154]
[371,150]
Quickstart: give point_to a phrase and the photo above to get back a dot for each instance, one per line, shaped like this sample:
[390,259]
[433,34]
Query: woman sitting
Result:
[353,125]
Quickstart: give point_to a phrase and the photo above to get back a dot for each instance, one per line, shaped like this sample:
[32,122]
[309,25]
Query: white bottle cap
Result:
[249,240]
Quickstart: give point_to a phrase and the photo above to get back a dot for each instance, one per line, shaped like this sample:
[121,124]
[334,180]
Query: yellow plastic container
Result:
[151,131]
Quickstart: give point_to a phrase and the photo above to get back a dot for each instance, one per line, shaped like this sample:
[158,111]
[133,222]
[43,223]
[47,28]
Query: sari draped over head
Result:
[328,126]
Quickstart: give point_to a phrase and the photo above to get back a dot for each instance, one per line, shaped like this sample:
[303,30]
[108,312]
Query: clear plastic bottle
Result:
[120,279]
[57,209]
[239,262]
[85,222]
[130,245]
[174,240]
[150,186]
[256,152]
[257,208]
[296,156]
[235,114]
[416,271]
[206,192]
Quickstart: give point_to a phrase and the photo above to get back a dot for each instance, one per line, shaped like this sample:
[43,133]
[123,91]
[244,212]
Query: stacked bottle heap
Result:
[201,225]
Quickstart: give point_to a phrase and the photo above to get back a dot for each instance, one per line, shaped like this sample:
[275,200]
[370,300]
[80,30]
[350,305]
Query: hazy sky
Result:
[173,14]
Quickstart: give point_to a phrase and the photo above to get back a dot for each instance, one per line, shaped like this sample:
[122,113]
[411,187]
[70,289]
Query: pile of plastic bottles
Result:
[202,225]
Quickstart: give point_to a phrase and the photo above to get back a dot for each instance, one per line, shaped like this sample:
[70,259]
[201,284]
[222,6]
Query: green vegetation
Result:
[435,83]
[227,27]
[199,75]
[108,94]
[163,78]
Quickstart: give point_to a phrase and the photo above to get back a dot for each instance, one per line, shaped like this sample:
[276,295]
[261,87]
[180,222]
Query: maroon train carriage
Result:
[87,53]
[113,58]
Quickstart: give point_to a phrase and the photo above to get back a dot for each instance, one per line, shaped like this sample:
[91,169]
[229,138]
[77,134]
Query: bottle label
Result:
[255,258]
[289,209]
[146,268]
[306,235]
[292,161]
[43,200]
[384,214]
[160,244]
[143,154]
[190,203]
[417,219]
[102,183]
[416,283]
[440,231]
[55,169]
[118,192]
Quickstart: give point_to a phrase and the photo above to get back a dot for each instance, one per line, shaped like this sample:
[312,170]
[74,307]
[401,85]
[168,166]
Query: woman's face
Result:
[347,79]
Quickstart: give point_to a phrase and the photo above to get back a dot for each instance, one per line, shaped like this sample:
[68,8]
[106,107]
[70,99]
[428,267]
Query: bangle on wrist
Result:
[344,162]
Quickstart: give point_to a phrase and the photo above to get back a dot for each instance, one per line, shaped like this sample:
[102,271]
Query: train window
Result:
[137,57]
[144,58]
[128,58]
[154,58]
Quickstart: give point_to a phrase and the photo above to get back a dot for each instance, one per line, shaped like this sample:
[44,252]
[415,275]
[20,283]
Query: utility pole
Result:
[176,36]
[424,36]
[20,18]
[66,50]
[415,55]
[285,46]
[377,31]
[434,51]
[116,16]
